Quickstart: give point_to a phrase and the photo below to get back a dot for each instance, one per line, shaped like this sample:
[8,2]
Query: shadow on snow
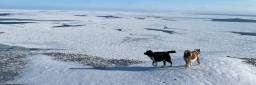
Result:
[132,68]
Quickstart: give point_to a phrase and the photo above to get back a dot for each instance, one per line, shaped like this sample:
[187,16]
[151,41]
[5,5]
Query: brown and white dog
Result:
[190,56]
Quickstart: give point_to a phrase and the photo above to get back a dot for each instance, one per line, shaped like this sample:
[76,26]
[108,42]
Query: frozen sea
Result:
[127,35]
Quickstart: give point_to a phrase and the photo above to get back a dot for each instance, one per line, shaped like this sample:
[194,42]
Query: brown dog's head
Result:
[197,50]
[149,53]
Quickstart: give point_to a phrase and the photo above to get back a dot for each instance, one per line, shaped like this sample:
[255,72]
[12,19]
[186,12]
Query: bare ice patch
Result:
[5,14]
[251,61]
[16,22]
[109,17]
[2,32]
[222,14]
[23,19]
[161,30]
[93,61]
[12,62]
[234,20]
[82,15]
[245,33]
[140,18]
[67,25]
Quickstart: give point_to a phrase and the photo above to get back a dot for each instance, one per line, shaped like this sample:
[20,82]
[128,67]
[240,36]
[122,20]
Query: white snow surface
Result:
[45,71]
[99,37]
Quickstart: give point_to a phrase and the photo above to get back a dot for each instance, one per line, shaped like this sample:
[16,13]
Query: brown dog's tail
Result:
[172,51]
[187,53]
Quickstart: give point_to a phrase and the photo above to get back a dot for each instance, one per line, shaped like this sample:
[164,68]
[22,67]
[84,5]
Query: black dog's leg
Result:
[164,62]
[154,64]
[170,61]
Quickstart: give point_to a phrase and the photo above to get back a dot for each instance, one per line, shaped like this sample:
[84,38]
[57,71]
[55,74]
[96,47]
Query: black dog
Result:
[159,56]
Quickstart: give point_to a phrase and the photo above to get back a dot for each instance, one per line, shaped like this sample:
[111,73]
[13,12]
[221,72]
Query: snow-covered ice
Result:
[43,70]
[98,36]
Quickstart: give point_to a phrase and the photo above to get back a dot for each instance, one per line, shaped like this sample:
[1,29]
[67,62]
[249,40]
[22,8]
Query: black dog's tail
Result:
[173,51]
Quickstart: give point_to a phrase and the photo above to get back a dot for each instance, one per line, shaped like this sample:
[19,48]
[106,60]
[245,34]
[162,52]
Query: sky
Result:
[131,4]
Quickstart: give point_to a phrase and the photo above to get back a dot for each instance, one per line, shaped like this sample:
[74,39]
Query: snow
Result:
[45,71]
[99,37]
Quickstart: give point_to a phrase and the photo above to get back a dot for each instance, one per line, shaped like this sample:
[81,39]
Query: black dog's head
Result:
[149,53]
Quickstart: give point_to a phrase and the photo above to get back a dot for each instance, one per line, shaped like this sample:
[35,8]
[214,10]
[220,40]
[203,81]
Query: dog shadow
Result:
[131,68]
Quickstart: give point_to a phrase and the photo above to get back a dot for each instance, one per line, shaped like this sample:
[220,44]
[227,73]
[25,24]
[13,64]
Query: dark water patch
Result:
[5,14]
[81,15]
[18,19]
[16,22]
[161,30]
[14,19]
[245,33]
[141,18]
[67,25]
[2,32]
[93,61]
[43,49]
[234,20]
[169,19]
[154,16]
[119,29]
[54,20]
[110,16]
[244,15]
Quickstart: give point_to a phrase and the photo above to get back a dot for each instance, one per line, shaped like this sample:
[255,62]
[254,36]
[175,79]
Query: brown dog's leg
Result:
[190,63]
[198,60]
[186,61]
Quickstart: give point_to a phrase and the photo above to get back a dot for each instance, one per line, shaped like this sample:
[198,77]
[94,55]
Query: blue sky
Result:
[132,4]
